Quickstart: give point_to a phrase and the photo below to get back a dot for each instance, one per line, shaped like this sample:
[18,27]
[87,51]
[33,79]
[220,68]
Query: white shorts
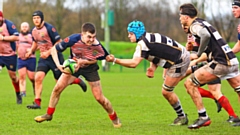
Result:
[180,69]
[222,71]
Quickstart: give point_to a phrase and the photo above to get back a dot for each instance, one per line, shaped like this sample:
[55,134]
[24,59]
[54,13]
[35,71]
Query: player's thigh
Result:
[39,76]
[96,89]
[234,82]
[22,72]
[64,80]
[31,74]
[204,76]
[214,87]
[172,81]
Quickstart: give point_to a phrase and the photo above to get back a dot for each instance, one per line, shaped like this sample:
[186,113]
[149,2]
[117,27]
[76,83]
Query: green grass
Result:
[136,98]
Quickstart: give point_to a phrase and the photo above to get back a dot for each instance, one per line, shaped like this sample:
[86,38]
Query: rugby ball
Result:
[69,66]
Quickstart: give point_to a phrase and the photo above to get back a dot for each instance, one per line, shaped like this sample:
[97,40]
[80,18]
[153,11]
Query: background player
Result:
[26,66]
[45,36]
[8,57]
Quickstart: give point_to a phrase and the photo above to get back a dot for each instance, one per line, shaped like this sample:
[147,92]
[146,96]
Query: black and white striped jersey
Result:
[220,50]
[161,50]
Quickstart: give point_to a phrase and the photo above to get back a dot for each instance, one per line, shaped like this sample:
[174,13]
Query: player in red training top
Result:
[25,65]
[86,49]
[8,56]
[45,37]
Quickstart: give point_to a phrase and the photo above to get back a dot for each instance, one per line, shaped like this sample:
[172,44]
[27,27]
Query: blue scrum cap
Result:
[136,27]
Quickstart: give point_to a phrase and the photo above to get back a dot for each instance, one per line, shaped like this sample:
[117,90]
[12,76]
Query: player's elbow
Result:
[133,65]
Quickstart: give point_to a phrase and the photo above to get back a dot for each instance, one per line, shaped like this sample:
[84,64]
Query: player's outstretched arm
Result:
[130,63]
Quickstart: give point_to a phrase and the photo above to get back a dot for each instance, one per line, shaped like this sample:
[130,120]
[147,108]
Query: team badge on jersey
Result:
[53,29]
[66,40]
[94,52]
[42,34]
[13,26]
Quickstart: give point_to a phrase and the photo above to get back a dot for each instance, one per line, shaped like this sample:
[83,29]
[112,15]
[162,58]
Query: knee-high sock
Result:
[16,86]
[205,93]
[76,81]
[38,101]
[50,111]
[113,116]
[178,109]
[224,102]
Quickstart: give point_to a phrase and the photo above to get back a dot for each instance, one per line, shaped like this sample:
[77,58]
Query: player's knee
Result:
[22,77]
[168,88]
[193,80]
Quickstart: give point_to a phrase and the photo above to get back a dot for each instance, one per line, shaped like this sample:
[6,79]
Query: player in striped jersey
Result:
[236,48]
[214,87]
[45,36]
[161,51]
[224,63]
[86,50]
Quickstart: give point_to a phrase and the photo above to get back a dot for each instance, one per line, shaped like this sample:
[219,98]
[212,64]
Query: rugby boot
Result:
[180,120]
[200,123]
[45,117]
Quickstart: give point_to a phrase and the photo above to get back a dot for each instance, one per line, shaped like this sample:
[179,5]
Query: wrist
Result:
[115,59]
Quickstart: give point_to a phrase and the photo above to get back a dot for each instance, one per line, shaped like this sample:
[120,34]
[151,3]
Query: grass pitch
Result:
[136,99]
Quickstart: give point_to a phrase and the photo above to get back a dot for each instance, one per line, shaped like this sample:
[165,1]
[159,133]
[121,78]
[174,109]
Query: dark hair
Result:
[188,9]
[236,3]
[88,27]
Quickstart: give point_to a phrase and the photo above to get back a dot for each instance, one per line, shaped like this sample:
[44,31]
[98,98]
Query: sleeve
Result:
[11,28]
[31,32]
[105,53]
[202,32]
[68,42]
[204,40]
[53,34]
[238,36]
[195,28]
[138,51]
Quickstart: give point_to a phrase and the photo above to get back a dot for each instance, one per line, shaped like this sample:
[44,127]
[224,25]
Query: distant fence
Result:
[142,67]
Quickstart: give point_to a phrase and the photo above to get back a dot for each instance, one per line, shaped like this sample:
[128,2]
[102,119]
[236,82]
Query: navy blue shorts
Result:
[9,61]
[90,73]
[45,65]
[30,64]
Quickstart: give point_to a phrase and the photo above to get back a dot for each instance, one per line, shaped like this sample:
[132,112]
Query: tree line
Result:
[160,16]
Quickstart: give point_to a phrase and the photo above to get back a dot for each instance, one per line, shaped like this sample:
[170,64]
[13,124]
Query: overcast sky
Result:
[212,6]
